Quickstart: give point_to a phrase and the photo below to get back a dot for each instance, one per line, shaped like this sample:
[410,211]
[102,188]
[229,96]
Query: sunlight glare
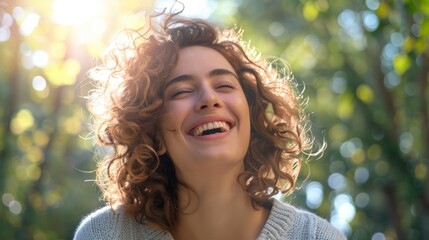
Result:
[40,58]
[76,12]
[18,13]
[6,20]
[29,24]
[195,9]
[5,23]
[4,34]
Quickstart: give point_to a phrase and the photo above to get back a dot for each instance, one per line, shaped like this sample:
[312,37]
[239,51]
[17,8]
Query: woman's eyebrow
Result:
[180,78]
[212,73]
[221,71]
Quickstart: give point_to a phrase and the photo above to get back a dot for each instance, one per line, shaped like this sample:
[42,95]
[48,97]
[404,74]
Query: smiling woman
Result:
[203,95]
[203,136]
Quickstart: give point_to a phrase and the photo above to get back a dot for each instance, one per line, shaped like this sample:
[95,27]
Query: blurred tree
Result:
[45,142]
[365,67]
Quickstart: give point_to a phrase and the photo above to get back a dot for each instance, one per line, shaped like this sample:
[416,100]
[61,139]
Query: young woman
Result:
[203,136]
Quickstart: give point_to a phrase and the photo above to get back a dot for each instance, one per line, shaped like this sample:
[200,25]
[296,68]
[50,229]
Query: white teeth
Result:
[198,131]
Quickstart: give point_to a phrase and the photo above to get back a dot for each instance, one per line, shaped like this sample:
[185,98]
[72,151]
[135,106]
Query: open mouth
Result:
[211,128]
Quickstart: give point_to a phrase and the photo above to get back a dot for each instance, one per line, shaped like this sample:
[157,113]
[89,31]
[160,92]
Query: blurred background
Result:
[364,64]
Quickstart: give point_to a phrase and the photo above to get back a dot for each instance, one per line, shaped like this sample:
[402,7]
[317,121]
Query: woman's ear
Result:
[161,149]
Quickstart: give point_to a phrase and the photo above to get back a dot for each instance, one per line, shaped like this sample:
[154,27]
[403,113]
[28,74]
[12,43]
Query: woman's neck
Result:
[218,208]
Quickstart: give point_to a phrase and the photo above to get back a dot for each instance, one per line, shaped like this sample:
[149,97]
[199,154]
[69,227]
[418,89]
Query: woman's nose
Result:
[208,99]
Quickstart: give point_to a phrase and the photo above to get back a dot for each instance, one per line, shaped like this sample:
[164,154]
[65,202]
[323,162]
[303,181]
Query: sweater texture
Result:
[284,223]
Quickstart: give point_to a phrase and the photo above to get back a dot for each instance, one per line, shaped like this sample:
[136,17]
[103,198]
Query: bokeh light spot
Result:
[382,168]
[53,198]
[378,236]
[71,125]
[15,207]
[372,4]
[36,200]
[365,93]
[338,84]
[421,171]
[406,141]
[336,181]
[35,155]
[39,83]
[7,198]
[314,194]
[30,22]
[18,13]
[397,39]
[40,138]
[383,10]
[27,62]
[358,156]
[362,199]
[24,142]
[276,29]
[345,107]
[389,52]
[338,132]
[401,63]
[28,172]
[6,20]
[348,148]
[343,205]
[374,152]
[25,49]
[310,11]
[63,73]
[40,58]
[4,34]
[361,175]
[340,224]
[370,21]
[22,121]
[391,80]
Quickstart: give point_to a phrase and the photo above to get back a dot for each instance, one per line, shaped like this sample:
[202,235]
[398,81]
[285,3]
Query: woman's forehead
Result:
[198,59]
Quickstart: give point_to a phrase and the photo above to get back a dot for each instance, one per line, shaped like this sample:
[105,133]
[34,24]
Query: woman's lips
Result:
[210,125]
[210,128]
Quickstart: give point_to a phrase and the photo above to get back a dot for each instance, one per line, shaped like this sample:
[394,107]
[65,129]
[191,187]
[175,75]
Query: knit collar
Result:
[279,221]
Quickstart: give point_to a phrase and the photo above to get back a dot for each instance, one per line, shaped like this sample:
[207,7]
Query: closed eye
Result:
[225,87]
[228,85]
[181,92]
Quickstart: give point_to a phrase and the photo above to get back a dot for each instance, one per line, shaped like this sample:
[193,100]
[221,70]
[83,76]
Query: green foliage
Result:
[46,149]
[364,65]
[365,68]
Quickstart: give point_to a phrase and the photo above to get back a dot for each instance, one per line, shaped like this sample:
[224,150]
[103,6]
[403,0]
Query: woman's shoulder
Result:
[106,223]
[288,222]
[100,224]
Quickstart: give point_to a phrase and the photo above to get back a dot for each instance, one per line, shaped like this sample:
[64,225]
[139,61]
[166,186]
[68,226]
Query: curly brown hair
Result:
[127,104]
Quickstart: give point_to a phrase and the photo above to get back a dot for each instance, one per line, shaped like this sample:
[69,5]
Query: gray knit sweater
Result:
[284,222]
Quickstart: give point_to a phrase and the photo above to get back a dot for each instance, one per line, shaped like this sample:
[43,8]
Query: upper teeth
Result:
[198,131]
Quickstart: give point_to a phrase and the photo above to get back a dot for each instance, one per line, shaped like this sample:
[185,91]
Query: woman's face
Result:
[207,118]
